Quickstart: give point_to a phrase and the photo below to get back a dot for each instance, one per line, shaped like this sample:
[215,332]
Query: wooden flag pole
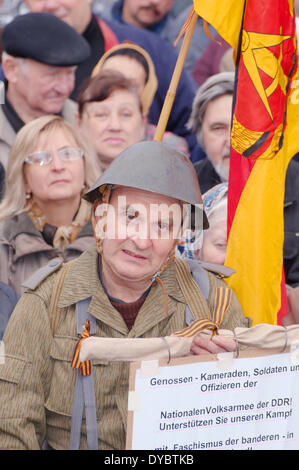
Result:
[168,102]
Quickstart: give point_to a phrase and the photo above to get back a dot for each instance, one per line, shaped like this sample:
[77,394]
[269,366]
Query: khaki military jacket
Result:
[8,134]
[37,381]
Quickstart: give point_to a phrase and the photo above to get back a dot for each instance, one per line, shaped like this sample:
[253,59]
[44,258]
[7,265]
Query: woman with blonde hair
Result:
[42,214]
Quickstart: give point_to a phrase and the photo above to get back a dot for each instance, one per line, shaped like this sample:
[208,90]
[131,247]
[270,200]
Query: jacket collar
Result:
[18,224]
[10,121]
[12,116]
[20,232]
[84,275]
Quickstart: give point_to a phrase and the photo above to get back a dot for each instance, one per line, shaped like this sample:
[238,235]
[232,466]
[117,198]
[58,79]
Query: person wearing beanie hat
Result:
[41,53]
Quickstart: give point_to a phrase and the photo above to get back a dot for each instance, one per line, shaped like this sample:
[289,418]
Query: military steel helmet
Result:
[158,168]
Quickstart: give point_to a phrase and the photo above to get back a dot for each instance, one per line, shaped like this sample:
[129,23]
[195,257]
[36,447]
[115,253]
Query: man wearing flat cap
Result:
[40,56]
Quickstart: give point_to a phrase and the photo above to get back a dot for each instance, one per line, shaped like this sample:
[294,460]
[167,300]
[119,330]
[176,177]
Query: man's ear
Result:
[10,67]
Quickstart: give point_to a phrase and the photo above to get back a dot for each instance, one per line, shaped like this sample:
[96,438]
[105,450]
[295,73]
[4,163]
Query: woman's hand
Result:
[216,344]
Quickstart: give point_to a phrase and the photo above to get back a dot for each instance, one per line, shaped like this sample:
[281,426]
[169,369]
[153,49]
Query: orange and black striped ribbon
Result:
[223,297]
[84,367]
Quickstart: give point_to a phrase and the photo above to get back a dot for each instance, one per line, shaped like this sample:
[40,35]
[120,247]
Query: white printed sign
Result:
[253,403]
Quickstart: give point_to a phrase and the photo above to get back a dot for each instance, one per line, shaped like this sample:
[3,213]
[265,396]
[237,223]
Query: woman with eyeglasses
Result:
[42,214]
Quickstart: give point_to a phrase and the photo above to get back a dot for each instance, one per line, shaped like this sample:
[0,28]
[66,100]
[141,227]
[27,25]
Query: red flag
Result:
[265,66]
[264,139]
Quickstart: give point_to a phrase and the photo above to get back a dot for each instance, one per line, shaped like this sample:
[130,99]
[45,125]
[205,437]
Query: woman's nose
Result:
[114,121]
[57,163]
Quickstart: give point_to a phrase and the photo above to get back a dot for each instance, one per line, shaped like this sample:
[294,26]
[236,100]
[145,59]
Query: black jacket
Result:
[291,229]
[206,174]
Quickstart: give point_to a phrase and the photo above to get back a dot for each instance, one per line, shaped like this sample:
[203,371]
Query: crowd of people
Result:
[82,247]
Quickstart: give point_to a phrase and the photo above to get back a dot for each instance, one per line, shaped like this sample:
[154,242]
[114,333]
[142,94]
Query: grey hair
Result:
[20,60]
[215,86]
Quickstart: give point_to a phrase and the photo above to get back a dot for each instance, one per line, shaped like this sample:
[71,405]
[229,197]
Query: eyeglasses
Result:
[67,154]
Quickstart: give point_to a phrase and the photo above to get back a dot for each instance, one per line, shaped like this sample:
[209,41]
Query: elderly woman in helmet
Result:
[128,286]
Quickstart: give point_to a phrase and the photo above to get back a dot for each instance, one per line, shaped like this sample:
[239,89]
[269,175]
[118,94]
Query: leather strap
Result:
[191,291]
[54,311]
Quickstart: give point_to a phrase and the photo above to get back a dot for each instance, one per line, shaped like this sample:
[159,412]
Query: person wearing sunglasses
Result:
[42,215]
